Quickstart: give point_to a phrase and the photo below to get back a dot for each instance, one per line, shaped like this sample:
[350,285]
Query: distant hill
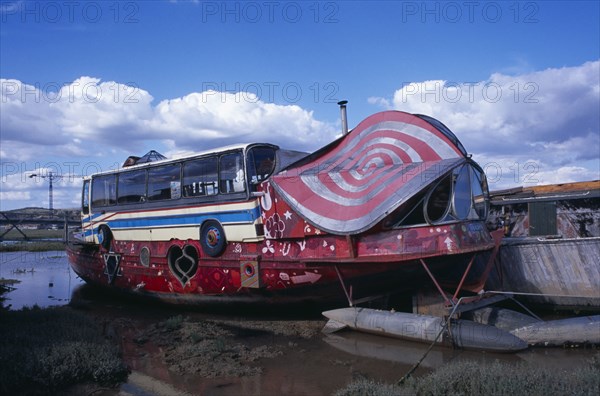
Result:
[34,211]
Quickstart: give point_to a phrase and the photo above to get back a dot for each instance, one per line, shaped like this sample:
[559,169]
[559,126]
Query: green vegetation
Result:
[14,235]
[173,323]
[470,378]
[32,246]
[5,287]
[38,239]
[45,350]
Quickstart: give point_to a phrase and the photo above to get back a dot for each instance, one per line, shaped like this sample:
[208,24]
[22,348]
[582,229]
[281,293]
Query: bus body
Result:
[391,205]
[171,199]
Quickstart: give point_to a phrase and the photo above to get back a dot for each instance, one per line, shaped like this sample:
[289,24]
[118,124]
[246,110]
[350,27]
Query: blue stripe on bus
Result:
[91,217]
[241,216]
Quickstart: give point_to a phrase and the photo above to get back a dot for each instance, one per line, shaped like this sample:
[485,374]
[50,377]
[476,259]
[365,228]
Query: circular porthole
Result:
[437,201]
[249,270]
[145,256]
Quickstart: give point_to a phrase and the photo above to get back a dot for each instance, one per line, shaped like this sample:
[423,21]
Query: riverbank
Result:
[62,350]
[32,246]
[44,351]
[468,378]
[89,346]
[37,241]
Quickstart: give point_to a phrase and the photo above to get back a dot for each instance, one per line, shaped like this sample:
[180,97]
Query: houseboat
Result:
[393,204]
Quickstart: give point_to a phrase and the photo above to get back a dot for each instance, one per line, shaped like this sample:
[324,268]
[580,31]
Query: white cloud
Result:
[83,121]
[549,117]
[210,118]
[14,195]
[101,111]
[539,127]
[17,186]
[567,174]
[87,112]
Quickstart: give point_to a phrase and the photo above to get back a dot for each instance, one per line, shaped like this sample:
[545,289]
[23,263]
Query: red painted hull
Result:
[291,270]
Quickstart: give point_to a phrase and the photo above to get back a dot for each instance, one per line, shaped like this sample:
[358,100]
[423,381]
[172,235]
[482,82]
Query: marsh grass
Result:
[5,287]
[45,350]
[39,246]
[470,378]
[173,323]
[15,235]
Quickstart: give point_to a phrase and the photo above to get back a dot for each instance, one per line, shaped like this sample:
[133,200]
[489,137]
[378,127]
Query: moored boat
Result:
[395,203]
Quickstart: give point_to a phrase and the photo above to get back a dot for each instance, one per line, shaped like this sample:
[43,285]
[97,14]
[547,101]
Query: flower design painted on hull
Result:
[274,227]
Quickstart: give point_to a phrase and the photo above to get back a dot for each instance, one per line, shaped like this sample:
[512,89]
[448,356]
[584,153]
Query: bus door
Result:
[85,207]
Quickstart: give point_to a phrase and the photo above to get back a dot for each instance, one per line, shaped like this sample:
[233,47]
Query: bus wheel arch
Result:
[105,236]
[212,238]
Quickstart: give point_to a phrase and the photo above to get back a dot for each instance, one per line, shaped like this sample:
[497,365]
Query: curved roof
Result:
[353,184]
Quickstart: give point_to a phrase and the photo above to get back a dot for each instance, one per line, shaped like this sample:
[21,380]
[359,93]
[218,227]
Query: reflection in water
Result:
[46,279]
[407,352]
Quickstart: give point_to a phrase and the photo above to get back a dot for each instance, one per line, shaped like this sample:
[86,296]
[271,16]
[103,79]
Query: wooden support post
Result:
[66,228]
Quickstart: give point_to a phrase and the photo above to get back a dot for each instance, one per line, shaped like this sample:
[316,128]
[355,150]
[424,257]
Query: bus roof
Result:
[223,149]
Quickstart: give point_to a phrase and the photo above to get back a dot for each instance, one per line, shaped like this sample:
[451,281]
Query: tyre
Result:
[105,237]
[212,238]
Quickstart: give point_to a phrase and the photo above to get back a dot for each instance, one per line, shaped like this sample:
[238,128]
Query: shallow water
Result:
[315,366]
[46,279]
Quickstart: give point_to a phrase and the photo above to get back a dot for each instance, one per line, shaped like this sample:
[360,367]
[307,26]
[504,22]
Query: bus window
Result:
[132,186]
[164,182]
[231,172]
[104,190]
[261,161]
[200,177]
[85,197]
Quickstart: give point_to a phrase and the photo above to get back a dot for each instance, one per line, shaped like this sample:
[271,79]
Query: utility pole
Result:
[51,177]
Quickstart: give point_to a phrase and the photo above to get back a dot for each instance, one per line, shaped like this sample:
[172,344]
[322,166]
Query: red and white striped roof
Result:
[388,158]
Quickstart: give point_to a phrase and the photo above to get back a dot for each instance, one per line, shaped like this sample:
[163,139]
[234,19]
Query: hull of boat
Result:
[561,273]
[280,272]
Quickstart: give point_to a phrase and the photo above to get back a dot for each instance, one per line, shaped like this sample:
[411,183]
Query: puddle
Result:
[45,278]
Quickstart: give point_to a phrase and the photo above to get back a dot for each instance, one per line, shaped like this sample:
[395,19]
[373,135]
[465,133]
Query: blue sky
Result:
[85,84]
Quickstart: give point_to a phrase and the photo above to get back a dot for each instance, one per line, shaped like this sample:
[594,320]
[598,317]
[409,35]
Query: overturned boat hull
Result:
[561,273]
[550,255]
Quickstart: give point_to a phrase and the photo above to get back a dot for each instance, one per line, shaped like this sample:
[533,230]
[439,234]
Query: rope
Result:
[445,325]
[418,363]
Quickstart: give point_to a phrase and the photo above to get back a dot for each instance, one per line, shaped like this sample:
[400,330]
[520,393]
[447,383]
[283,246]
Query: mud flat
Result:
[198,353]
[262,351]
[233,351]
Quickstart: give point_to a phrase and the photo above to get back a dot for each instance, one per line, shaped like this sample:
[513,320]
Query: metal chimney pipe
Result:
[342,105]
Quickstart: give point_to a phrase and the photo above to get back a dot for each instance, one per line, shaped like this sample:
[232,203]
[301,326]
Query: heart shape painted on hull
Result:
[183,263]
